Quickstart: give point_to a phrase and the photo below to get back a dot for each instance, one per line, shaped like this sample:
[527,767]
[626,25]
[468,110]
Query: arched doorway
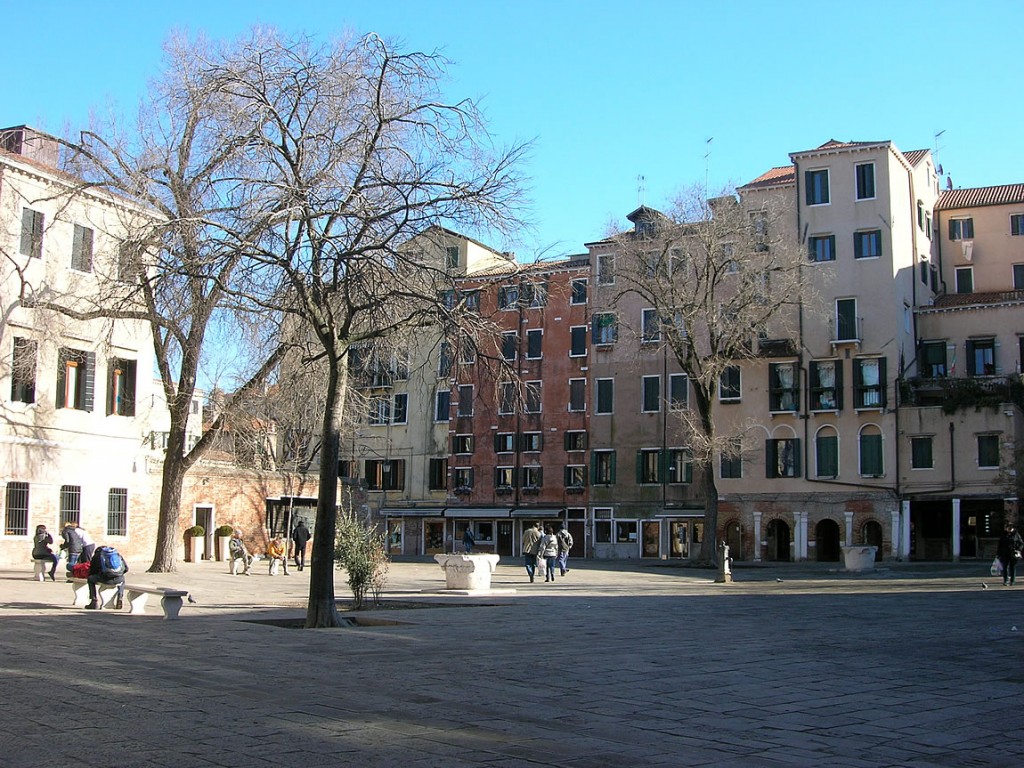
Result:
[871,534]
[734,538]
[826,537]
[778,546]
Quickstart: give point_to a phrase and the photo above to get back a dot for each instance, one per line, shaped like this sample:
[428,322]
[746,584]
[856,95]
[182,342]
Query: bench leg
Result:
[40,568]
[107,595]
[171,606]
[137,601]
[81,594]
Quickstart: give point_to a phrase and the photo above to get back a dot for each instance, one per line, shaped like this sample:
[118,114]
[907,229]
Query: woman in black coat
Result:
[1010,545]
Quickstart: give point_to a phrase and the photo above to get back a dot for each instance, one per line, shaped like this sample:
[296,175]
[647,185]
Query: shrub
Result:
[196,530]
[224,530]
[362,551]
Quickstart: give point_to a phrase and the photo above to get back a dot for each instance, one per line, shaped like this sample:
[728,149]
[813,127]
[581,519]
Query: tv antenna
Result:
[707,162]
[641,189]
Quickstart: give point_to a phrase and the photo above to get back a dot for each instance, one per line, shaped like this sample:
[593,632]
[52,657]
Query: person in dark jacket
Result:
[300,538]
[1010,546]
[41,549]
[96,577]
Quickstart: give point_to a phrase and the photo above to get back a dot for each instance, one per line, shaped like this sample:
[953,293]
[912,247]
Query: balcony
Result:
[954,394]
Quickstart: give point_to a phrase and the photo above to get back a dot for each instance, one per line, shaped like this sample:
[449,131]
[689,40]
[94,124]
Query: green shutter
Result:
[871,454]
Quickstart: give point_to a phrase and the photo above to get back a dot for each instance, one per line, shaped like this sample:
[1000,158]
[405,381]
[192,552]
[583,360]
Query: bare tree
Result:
[722,277]
[358,158]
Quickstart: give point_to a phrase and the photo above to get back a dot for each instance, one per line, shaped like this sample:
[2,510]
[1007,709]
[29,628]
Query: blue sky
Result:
[609,91]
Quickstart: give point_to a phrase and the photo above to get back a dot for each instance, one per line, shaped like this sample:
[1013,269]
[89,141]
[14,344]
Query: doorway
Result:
[826,538]
[204,517]
[871,534]
[778,546]
[503,544]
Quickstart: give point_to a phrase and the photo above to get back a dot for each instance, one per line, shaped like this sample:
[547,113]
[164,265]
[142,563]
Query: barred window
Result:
[117,512]
[70,504]
[16,510]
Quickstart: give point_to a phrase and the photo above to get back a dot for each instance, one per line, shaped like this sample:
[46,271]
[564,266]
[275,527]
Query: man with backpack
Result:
[106,567]
[564,545]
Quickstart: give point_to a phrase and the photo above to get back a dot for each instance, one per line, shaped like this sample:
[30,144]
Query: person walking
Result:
[41,549]
[530,545]
[1008,550]
[564,545]
[549,552]
[300,537]
[468,540]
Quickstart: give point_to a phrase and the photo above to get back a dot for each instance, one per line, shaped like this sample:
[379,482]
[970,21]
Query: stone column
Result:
[849,528]
[801,524]
[757,537]
[905,530]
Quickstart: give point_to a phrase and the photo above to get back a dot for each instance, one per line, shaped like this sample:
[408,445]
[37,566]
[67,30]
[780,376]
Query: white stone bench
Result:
[41,567]
[171,600]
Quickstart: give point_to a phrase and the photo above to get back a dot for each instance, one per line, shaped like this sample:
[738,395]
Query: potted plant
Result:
[223,534]
[196,536]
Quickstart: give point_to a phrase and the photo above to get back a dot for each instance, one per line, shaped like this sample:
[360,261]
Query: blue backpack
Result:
[111,562]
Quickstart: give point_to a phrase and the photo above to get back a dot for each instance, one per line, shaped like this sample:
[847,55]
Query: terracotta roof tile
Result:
[951,300]
[1004,194]
[915,156]
[784,174]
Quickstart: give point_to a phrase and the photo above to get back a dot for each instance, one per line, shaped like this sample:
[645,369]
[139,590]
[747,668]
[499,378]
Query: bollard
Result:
[724,570]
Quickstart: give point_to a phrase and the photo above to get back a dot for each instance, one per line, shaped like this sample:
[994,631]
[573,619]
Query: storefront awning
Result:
[480,512]
[413,512]
[538,512]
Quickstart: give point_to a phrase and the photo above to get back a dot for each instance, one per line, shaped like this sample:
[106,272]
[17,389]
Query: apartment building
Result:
[76,394]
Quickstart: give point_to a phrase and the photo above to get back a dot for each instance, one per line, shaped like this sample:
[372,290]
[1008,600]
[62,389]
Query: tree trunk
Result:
[709,544]
[322,610]
[168,531]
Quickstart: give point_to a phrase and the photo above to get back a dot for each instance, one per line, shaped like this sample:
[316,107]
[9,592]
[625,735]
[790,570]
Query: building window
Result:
[961,229]
[535,295]
[465,405]
[462,477]
[76,376]
[868,244]
[471,301]
[731,462]
[451,253]
[678,390]
[1018,277]
[603,467]
[534,340]
[443,405]
[31,233]
[651,394]
[70,504]
[847,325]
[1017,224]
[509,344]
[606,269]
[117,512]
[504,442]
[577,395]
[444,360]
[507,398]
[730,385]
[826,453]
[81,249]
[467,356]
[921,453]
[437,474]
[385,474]
[576,440]
[933,359]
[575,477]
[871,464]
[578,293]
[782,457]
[23,370]
[605,395]
[462,444]
[869,382]
[532,477]
[817,187]
[648,466]
[533,398]
[680,466]
[508,297]
[531,442]
[965,279]
[578,341]
[650,326]
[783,387]
[121,388]
[504,479]
[821,247]
[16,509]
[826,381]
[988,451]
[604,328]
[981,357]
[865,174]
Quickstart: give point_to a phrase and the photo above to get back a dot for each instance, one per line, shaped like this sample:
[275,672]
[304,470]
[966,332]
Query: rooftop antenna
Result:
[935,157]
[641,189]
[707,162]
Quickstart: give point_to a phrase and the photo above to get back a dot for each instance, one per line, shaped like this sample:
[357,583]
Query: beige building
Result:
[77,394]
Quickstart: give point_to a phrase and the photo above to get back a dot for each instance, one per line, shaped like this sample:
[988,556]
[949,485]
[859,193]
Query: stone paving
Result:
[618,664]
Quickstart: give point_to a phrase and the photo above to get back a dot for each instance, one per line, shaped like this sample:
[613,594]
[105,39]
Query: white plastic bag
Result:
[997,567]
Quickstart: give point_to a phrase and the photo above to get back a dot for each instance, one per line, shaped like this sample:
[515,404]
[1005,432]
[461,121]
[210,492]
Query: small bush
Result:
[196,530]
[224,530]
[362,551]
